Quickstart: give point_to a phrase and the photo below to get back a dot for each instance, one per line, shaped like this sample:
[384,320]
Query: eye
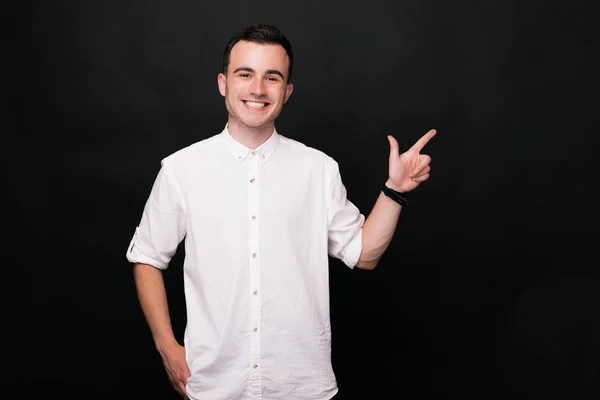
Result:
[244,75]
[273,79]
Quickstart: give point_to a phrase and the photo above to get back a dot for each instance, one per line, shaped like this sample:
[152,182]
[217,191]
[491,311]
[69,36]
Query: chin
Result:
[253,123]
[257,125]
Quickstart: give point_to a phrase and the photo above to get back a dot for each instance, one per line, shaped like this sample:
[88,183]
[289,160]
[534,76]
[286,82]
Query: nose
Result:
[258,88]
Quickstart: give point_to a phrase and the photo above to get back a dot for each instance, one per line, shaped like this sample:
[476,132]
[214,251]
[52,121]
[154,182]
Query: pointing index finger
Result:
[424,140]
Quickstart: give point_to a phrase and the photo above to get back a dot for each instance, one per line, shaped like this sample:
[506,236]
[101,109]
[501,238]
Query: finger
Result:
[181,389]
[419,172]
[420,178]
[424,140]
[394,148]
[184,372]
[184,375]
[422,163]
[178,386]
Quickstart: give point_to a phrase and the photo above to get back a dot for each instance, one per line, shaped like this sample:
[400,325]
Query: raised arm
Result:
[406,172]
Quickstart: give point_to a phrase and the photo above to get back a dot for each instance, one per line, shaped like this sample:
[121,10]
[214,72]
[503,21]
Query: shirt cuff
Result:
[134,255]
[353,250]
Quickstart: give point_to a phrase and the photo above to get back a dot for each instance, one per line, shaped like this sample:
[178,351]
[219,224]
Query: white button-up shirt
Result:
[258,227]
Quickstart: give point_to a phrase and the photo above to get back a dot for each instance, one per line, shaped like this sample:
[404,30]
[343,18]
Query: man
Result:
[260,214]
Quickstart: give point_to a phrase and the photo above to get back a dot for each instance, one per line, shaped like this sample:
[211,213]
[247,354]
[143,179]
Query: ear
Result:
[222,82]
[288,92]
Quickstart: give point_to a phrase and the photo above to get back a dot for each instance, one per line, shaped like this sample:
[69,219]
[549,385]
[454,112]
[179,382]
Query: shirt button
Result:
[251,180]
[255,366]
[255,330]
[255,292]
[253,153]
[253,255]
[263,157]
[254,217]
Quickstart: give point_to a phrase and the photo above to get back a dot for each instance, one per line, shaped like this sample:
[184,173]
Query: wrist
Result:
[395,195]
[390,184]
[164,343]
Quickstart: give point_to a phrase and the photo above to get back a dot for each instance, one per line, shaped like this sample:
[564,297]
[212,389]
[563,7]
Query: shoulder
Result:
[300,149]
[183,157]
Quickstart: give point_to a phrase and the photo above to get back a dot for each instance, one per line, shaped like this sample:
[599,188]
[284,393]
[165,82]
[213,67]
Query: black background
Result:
[490,288]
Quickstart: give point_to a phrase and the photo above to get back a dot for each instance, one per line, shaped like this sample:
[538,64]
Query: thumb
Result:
[394,148]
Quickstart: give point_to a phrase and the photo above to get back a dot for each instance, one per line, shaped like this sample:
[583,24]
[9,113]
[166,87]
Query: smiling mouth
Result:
[255,105]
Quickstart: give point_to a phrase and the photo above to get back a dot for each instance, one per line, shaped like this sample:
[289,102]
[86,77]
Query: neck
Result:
[249,136]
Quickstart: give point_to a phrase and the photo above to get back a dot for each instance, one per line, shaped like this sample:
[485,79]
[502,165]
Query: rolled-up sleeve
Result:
[345,220]
[162,226]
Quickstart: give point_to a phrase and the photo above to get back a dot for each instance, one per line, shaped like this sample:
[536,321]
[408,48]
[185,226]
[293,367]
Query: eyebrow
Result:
[269,71]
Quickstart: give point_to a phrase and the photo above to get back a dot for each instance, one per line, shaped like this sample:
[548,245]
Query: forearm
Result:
[378,231]
[153,301]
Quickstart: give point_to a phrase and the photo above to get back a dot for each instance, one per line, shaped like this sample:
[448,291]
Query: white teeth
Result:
[255,104]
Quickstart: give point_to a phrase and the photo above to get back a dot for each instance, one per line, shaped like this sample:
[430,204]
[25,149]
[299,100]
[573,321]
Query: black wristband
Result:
[398,197]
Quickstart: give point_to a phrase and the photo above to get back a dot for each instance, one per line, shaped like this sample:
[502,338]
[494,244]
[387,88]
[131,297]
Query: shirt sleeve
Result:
[162,226]
[345,220]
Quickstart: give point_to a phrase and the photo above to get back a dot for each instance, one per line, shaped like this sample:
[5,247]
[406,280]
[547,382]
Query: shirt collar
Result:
[240,152]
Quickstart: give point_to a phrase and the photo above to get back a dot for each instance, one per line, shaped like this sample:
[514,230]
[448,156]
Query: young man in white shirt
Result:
[260,213]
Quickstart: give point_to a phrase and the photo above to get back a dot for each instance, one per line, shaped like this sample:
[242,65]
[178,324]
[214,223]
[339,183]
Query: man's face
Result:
[255,87]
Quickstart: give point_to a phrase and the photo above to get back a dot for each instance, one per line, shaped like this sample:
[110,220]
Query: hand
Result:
[173,357]
[409,169]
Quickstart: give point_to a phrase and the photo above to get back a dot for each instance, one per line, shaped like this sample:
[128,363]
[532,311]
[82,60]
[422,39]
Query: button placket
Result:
[254,269]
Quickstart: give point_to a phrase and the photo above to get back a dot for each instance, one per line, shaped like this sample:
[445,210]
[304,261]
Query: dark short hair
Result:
[262,34]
